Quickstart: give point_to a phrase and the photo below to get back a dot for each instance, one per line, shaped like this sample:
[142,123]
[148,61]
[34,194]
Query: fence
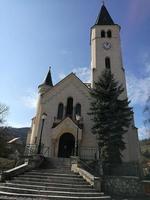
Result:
[31,149]
[88,153]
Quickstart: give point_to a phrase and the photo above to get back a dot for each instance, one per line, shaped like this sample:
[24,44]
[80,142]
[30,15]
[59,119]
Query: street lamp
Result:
[44,115]
[78,117]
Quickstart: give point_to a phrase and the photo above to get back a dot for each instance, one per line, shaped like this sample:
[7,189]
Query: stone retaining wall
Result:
[123,185]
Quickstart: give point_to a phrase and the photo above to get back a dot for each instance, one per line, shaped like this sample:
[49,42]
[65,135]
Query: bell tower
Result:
[106,47]
[106,54]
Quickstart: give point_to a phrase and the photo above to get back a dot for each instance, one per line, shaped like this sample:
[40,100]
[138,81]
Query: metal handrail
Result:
[88,168]
[46,151]
[85,164]
[89,153]
[31,149]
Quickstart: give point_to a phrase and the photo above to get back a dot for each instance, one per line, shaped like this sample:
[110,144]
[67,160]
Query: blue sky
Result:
[36,34]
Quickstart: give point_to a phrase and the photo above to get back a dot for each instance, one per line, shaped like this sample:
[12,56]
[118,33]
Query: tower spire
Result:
[48,79]
[47,84]
[104,17]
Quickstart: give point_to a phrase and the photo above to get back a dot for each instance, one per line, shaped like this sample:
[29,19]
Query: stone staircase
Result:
[55,183]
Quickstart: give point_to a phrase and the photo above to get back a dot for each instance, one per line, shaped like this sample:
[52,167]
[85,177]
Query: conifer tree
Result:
[111,117]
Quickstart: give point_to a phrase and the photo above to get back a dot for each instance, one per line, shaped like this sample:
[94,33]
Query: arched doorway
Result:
[66,145]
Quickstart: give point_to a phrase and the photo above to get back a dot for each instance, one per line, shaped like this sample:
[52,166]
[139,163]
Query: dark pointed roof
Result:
[104,17]
[48,79]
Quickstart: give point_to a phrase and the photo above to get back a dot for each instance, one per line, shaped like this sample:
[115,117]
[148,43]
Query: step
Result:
[58,167]
[49,192]
[54,197]
[62,168]
[54,188]
[58,161]
[53,180]
[51,177]
[44,183]
[52,174]
[4,197]
[59,171]
[56,183]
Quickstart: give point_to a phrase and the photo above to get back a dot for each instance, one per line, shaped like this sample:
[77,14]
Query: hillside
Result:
[19,132]
[145,145]
[145,149]
[11,132]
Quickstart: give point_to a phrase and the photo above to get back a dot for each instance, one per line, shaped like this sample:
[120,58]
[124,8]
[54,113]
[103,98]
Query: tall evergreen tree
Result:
[111,117]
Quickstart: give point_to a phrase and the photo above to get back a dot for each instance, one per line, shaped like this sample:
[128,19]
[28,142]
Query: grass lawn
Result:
[6,163]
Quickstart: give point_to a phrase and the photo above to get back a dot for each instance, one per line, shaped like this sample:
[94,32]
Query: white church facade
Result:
[62,126]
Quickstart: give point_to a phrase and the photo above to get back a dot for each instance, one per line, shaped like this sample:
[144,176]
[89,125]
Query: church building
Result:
[62,126]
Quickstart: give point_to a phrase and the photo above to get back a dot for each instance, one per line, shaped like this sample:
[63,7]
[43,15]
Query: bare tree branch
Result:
[3,113]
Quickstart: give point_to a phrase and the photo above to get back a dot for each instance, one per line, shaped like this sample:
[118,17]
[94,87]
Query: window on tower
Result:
[107,63]
[60,111]
[109,34]
[103,34]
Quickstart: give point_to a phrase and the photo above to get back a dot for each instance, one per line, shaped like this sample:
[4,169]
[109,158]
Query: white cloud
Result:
[143,133]
[138,88]
[30,99]
[84,73]
[61,76]
[146,60]
[19,125]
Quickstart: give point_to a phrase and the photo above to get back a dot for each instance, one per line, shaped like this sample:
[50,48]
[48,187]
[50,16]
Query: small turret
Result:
[47,84]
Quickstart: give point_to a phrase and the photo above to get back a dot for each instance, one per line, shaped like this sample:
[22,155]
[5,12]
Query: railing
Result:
[85,166]
[88,153]
[92,167]
[46,151]
[32,149]
[146,170]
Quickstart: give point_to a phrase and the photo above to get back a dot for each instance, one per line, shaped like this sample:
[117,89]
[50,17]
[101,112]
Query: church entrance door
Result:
[66,145]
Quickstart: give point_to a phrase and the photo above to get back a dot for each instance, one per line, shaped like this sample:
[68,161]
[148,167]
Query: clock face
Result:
[107,45]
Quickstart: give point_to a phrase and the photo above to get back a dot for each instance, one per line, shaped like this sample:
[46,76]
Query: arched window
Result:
[107,63]
[69,109]
[109,34]
[60,111]
[103,34]
[78,109]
